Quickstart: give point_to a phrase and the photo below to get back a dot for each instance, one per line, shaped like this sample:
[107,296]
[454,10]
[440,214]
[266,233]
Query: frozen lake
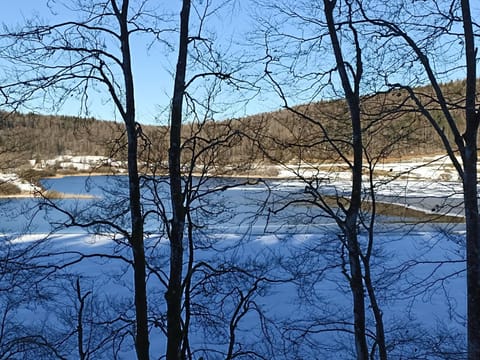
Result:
[232,206]
[285,269]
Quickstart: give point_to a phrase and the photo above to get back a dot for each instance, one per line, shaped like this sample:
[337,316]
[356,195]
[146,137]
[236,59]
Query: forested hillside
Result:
[391,122]
[33,136]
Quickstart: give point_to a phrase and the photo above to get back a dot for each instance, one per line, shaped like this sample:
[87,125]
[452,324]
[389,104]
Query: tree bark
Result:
[470,189]
[142,343]
[350,223]
[174,292]
[372,296]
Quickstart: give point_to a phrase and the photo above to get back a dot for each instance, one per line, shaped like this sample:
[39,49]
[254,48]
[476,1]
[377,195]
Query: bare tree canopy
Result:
[287,234]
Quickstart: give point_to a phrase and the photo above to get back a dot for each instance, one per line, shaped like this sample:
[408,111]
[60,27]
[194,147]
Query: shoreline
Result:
[61,176]
[46,195]
[390,169]
[253,176]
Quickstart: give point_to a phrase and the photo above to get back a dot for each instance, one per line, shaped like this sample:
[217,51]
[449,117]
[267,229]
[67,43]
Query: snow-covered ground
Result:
[24,186]
[435,172]
[435,167]
[295,297]
[77,162]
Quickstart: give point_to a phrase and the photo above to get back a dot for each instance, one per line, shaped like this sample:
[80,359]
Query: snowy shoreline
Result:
[435,172]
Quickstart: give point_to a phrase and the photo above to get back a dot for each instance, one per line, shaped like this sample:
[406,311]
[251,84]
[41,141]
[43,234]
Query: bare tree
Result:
[349,225]
[174,293]
[442,24]
[80,62]
[359,133]
[350,150]
[68,58]
[192,157]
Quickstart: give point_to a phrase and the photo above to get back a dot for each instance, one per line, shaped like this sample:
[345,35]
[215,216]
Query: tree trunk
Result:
[174,291]
[356,286]
[473,254]
[377,313]
[372,296]
[350,223]
[142,343]
[470,192]
[139,263]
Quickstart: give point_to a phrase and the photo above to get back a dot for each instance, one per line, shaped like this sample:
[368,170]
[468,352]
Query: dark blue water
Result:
[91,185]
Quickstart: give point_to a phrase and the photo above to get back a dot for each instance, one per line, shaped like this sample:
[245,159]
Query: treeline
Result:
[311,132]
[34,136]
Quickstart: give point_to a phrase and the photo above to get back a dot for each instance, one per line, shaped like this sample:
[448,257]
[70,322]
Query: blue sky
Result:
[153,67]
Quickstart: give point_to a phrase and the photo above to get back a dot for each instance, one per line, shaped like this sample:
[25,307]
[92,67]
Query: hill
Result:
[314,132]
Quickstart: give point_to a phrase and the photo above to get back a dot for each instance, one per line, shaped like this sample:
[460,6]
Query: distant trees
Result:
[87,136]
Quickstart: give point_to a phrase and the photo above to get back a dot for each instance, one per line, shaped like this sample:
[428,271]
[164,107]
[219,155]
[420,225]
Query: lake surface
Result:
[218,203]
[244,223]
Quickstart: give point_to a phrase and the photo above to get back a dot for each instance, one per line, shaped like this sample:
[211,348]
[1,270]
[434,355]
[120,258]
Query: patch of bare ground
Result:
[52,194]
[49,194]
[397,213]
